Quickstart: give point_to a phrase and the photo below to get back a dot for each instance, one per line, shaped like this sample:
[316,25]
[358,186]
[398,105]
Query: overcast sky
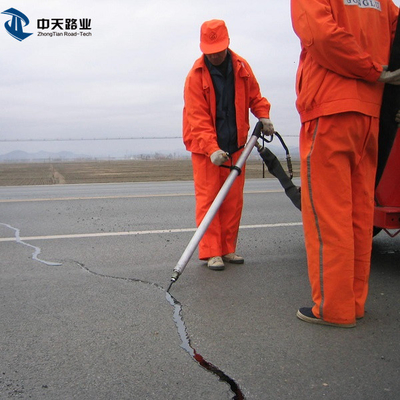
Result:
[126,79]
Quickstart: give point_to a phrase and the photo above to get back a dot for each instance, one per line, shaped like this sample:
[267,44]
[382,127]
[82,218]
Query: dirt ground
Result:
[50,173]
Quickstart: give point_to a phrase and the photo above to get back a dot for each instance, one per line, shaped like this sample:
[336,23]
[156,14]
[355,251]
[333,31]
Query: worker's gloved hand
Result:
[390,77]
[268,127]
[398,118]
[219,157]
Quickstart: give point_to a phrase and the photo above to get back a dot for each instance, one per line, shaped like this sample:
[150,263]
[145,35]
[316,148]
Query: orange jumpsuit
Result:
[200,138]
[344,45]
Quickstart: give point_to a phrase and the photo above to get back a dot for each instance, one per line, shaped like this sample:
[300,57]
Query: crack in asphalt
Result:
[37,250]
[177,316]
[182,331]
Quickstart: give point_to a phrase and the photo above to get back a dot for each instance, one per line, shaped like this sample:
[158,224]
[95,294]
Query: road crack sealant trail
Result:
[37,250]
[177,316]
[180,324]
[182,331]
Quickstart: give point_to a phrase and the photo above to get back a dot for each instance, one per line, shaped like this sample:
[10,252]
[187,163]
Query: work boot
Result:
[306,315]
[233,258]
[216,263]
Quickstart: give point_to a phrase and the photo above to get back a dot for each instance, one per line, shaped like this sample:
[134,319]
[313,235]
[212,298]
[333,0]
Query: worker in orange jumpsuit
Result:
[340,79]
[219,91]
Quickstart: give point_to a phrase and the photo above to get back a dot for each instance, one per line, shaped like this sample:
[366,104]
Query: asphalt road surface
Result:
[84,313]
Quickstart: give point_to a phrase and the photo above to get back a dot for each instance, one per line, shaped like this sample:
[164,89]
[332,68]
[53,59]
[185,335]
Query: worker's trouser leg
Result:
[338,163]
[221,236]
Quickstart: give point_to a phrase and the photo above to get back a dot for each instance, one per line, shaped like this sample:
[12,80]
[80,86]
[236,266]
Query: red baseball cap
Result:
[213,36]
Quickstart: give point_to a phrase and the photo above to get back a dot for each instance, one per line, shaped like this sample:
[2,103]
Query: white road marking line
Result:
[133,233]
[128,196]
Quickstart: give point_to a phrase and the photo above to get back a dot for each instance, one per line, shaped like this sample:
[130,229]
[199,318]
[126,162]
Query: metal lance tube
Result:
[236,170]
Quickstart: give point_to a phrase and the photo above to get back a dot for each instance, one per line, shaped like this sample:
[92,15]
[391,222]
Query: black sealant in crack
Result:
[180,324]
[178,319]
[182,331]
